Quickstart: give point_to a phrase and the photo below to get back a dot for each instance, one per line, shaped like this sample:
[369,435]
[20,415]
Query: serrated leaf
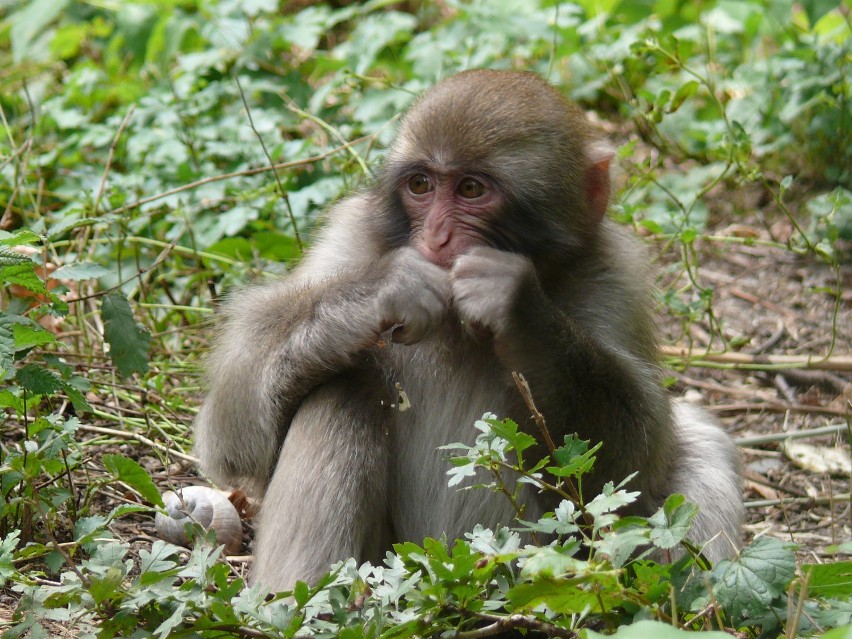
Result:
[19,237]
[30,336]
[7,348]
[572,447]
[11,257]
[748,584]
[128,341]
[24,275]
[597,591]
[550,562]
[79,271]
[574,457]
[131,473]
[38,380]
[509,430]
[670,524]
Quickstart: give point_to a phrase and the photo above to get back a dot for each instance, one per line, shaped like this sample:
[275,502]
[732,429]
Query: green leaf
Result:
[683,93]
[128,341]
[79,271]
[7,556]
[29,23]
[816,9]
[830,579]
[574,457]
[103,587]
[11,257]
[38,380]
[670,524]
[761,573]
[130,472]
[7,348]
[301,593]
[552,562]
[31,335]
[509,430]
[17,238]
[839,633]
[596,591]
[23,274]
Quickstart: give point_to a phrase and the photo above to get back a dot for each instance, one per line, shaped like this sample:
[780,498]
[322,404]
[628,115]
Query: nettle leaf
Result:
[23,274]
[748,584]
[11,257]
[7,347]
[17,238]
[38,380]
[130,472]
[31,335]
[128,341]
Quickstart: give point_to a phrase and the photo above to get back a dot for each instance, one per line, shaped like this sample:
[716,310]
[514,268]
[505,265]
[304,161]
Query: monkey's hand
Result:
[486,285]
[414,298]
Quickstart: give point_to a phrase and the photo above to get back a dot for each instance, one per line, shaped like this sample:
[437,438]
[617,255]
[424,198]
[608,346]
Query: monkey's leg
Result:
[327,499]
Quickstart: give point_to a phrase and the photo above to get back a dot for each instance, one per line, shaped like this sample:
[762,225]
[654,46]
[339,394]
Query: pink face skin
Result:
[449,211]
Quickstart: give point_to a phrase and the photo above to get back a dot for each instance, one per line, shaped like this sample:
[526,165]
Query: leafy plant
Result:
[592,575]
[155,154]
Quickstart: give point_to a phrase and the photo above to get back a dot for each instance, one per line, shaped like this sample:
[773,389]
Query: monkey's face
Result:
[449,211]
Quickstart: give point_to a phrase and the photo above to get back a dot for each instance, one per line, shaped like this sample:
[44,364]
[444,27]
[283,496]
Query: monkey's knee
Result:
[327,499]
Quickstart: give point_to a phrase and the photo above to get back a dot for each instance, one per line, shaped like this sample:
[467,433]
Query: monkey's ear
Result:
[597,179]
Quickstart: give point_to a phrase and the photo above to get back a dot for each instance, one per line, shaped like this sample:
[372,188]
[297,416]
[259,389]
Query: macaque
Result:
[482,249]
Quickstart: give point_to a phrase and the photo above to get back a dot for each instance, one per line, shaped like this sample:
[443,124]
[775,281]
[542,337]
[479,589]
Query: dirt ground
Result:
[774,303]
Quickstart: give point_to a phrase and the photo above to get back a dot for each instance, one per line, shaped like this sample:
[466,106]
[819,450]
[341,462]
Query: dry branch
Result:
[841,363]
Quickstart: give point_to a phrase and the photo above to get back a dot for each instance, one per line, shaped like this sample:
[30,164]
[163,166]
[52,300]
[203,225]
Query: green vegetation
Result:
[156,153]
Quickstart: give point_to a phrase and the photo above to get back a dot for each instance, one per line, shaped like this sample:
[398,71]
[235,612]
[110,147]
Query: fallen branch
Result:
[822,499]
[747,361]
[791,434]
[776,407]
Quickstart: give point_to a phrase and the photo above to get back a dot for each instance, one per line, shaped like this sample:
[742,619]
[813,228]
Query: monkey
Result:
[483,248]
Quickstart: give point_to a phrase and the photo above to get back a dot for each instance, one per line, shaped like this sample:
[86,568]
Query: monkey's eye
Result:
[419,184]
[471,188]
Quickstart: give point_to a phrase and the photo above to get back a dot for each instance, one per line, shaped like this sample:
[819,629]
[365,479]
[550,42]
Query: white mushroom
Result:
[206,506]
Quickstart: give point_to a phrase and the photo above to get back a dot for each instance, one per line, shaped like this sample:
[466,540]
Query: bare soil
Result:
[768,301]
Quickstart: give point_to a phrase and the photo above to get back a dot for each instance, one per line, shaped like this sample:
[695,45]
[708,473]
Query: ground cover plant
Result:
[156,154]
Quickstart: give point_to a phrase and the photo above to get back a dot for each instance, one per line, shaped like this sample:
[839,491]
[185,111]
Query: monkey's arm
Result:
[603,389]
[279,341]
